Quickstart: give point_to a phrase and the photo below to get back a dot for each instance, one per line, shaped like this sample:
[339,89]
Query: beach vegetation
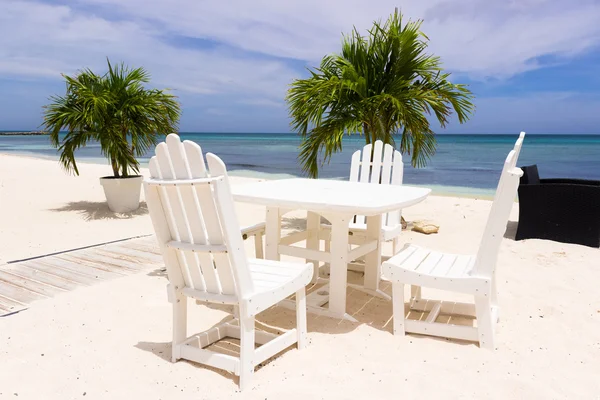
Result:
[114,109]
[382,86]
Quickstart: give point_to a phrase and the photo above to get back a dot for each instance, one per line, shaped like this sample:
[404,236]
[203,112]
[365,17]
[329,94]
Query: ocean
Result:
[462,165]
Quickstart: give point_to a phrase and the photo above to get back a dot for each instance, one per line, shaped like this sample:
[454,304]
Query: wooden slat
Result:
[147,247]
[41,276]
[113,257]
[62,271]
[200,248]
[77,267]
[413,262]
[29,284]
[445,330]
[215,237]
[24,282]
[96,261]
[9,305]
[376,170]
[432,260]
[18,293]
[174,207]
[211,223]
[434,313]
[459,267]
[140,256]
[386,173]
[365,173]
[355,166]
[191,211]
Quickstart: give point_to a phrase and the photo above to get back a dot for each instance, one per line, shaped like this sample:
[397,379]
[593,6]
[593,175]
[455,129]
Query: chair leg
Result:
[247,344]
[258,246]
[485,325]
[301,317]
[495,297]
[398,308]
[395,245]
[179,325]
[415,292]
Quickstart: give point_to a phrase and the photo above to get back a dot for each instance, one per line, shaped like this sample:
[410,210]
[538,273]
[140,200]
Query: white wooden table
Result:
[338,202]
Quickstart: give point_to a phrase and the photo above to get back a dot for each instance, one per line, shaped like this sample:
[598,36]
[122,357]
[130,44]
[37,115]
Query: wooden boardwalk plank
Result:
[43,265]
[92,261]
[18,294]
[29,284]
[41,276]
[143,246]
[8,306]
[102,261]
[77,267]
[23,282]
[144,257]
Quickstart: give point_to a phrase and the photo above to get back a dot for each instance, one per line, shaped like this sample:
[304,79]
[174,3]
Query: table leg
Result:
[313,222]
[373,259]
[272,233]
[338,264]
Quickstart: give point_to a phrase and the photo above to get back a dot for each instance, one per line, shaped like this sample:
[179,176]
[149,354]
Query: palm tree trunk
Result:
[366,133]
[115,167]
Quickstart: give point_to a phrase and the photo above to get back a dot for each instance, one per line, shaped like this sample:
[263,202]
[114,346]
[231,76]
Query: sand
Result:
[111,340]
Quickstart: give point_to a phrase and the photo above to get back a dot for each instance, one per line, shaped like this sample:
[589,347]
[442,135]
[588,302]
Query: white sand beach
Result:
[112,340]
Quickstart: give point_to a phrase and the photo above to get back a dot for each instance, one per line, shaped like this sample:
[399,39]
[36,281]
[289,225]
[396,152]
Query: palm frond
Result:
[114,109]
[381,85]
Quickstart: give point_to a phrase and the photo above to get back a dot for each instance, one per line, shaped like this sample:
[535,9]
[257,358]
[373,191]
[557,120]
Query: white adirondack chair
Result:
[386,168]
[195,223]
[474,275]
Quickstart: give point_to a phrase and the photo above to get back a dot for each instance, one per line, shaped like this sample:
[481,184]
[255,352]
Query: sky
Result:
[532,64]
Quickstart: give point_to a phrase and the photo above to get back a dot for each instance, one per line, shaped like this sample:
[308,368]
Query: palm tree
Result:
[114,109]
[380,86]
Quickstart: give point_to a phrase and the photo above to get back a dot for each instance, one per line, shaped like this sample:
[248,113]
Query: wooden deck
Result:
[22,283]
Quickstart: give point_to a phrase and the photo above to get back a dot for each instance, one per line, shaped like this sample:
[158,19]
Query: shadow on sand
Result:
[368,310]
[94,210]
[511,230]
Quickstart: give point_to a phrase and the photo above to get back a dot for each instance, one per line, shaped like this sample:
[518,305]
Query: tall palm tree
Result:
[379,86]
[114,109]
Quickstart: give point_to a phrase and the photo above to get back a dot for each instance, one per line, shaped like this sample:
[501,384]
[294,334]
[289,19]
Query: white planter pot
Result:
[122,194]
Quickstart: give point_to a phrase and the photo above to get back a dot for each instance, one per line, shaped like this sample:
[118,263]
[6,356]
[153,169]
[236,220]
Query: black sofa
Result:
[563,210]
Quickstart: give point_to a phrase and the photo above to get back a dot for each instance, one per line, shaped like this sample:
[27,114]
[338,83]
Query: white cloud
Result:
[42,40]
[259,46]
[481,37]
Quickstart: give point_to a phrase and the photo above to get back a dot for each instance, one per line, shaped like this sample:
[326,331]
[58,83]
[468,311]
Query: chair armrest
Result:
[253,230]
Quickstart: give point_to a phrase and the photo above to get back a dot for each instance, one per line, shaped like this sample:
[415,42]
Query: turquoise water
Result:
[463,164]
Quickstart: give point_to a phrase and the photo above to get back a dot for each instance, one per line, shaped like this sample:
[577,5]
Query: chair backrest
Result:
[384,168]
[518,146]
[195,222]
[513,163]
[485,262]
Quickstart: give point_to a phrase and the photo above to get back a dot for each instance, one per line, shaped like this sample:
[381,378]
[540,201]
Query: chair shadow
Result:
[229,346]
[296,224]
[511,230]
[161,272]
[93,210]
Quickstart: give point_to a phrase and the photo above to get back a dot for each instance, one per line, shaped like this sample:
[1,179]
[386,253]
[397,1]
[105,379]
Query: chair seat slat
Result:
[198,248]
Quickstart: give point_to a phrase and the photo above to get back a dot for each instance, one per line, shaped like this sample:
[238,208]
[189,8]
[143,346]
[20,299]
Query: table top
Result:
[330,195]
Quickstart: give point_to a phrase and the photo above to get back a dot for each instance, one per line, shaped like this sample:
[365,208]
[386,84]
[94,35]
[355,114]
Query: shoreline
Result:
[437,190]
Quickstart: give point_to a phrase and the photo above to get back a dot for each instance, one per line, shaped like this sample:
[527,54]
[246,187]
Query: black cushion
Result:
[530,175]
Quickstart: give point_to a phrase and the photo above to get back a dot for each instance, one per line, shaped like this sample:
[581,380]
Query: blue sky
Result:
[533,64]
